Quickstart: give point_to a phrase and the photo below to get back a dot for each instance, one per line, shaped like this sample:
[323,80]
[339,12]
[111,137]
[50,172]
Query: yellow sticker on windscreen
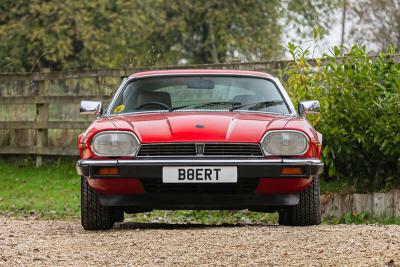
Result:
[119,109]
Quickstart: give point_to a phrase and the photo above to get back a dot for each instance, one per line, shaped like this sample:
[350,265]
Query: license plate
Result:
[200,174]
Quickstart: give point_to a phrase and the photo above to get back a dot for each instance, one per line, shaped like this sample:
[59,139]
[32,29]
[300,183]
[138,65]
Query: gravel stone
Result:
[64,243]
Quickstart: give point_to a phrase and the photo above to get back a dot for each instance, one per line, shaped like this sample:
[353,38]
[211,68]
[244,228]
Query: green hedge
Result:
[360,113]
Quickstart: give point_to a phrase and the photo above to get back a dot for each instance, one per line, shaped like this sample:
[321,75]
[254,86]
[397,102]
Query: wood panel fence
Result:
[39,112]
[376,204]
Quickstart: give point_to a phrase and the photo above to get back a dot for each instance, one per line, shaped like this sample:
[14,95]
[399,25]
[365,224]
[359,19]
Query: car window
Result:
[200,93]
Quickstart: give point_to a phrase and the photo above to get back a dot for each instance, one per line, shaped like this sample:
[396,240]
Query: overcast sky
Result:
[332,38]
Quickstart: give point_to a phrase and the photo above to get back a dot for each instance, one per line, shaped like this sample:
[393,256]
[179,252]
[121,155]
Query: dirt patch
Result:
[42,243]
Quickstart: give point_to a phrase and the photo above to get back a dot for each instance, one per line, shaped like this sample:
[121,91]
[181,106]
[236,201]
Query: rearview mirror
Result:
[309,107]
[91,108]
[200,84]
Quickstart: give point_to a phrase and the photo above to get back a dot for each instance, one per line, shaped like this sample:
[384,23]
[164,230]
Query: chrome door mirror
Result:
[91,108]
[309,107]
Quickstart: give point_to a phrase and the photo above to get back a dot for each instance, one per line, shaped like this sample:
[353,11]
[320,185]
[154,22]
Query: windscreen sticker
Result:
[119,109]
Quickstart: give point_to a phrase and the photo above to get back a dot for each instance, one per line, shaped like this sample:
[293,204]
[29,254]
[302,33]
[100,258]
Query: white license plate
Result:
[200,174]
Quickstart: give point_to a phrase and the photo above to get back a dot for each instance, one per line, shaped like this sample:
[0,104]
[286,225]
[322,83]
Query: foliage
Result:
[113,33]
[302,16]
[378,22]
[363,218]
[357,218]
[215,31]
[360,108]
[65,34]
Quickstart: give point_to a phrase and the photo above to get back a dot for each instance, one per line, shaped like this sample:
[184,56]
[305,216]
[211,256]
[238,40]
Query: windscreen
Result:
[200,93]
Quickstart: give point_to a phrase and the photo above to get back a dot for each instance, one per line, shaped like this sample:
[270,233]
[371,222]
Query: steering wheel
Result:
[153,103]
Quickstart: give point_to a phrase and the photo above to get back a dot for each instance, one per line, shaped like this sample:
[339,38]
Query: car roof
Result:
[201,72]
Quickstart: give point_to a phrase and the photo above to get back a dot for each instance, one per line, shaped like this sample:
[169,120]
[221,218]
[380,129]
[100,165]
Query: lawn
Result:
[52,192]
[49,192]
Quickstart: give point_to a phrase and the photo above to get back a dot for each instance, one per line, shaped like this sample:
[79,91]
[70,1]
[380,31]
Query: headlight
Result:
[284,143]
[115,143]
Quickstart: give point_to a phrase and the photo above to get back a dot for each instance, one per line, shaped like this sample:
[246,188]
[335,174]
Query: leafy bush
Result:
[360,112]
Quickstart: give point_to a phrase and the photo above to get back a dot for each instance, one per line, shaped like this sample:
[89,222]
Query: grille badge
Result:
[200,149]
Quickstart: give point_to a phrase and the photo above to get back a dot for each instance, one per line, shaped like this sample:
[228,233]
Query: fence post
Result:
[42,115]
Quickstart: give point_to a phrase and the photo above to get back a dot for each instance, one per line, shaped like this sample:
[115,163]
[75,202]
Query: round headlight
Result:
[115,143]
[284,143]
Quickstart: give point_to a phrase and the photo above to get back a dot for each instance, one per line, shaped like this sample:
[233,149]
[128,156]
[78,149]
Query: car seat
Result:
[147,97]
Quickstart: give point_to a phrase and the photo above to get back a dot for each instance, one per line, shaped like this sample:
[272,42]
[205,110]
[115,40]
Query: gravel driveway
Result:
[41,243]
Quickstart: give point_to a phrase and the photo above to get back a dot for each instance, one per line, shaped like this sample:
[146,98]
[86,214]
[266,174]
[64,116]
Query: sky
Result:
[332,38]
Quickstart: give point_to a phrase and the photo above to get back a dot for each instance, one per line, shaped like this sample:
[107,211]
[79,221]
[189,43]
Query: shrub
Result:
[360,112]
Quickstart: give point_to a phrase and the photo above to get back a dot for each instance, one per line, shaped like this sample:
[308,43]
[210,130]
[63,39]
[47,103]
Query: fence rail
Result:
[123,72]
[40,151]
[40,122]
[268,66]
[44,124]
[39,111]
[49,99]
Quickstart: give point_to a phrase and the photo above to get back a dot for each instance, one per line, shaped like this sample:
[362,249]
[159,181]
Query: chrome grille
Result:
[233,150]
[208,149]
[154,150]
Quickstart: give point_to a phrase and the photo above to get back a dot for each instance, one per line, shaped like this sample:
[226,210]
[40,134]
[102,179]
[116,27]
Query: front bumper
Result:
[260,186]
[247,168]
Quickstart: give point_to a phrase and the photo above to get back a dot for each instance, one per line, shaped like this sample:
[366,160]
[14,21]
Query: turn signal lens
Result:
[292,171]
[107,171]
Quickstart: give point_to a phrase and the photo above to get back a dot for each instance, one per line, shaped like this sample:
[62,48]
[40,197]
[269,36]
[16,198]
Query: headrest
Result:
[146,97]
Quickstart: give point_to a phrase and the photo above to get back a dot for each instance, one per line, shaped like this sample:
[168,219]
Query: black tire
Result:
[118,215]
[307,212]
[94,216]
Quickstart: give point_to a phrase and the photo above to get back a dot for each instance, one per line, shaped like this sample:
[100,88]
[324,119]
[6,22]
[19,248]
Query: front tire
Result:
[118,215]
[94,216]
[307,212]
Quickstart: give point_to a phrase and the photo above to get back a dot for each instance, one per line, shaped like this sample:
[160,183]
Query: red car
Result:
[199,139]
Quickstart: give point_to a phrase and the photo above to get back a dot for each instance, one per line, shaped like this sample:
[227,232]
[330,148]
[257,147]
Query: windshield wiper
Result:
[258,105]
[175,108]
[208,104]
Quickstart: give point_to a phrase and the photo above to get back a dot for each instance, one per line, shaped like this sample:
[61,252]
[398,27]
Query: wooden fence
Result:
[39,112]
[377,204]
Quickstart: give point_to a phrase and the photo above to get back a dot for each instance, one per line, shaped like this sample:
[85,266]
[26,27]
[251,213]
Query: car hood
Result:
[199,126]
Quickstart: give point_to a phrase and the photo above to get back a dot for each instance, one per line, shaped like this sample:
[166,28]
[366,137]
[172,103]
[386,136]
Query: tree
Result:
[214,31]
[305,15]
[62,34]
[69,34]
[378,21]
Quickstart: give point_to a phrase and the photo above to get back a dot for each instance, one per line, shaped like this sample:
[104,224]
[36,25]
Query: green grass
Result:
[53,192]
[363,218]
[339,186]
[46,192]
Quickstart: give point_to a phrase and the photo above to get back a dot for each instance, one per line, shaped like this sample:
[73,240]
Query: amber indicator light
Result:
[292,171]
[107,171]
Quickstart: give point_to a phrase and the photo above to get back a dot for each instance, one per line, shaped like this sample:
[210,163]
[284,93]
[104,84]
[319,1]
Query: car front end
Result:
[260,156]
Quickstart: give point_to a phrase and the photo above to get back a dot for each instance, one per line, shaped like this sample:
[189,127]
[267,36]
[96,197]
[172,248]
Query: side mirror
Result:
[309,107]
[91,108]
